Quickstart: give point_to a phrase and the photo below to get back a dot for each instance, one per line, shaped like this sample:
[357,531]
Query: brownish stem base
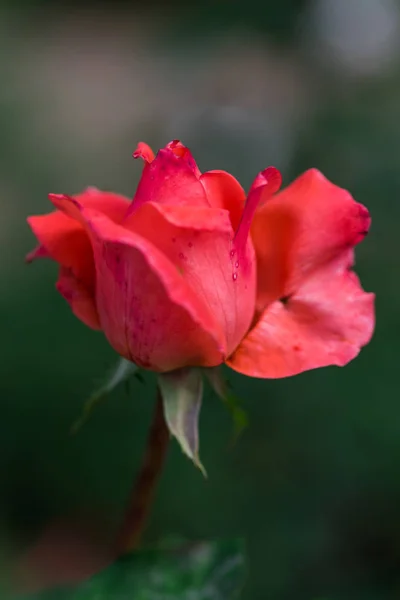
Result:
[143,490]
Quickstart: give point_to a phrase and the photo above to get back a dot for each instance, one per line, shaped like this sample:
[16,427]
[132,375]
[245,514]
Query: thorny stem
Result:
[144,487]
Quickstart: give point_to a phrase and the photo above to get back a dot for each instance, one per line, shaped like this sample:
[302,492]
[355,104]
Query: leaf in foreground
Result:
[184,571]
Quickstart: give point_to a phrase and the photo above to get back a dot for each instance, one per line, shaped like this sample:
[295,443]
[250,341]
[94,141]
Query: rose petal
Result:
[224,191]
[272,181]
[144,151]
[301,228]
[325,322]
[113,205]
[63,238]
[198,241]
[79,297]
[185,154]
[169,179]
[38,252]
[147,310]
[65,241]
[271,177]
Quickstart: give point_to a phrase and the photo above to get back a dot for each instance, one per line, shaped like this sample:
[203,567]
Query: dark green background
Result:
[314,484]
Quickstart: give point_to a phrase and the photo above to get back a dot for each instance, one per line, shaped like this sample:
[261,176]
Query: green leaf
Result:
[119,374]
[182,393]
[222,388]
[184,571]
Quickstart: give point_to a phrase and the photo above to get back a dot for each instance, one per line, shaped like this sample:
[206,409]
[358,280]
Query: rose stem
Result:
[144,487]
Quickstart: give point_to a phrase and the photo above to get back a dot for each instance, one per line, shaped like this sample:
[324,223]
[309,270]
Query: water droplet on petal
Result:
[232,253]
[234,276]
[237,264]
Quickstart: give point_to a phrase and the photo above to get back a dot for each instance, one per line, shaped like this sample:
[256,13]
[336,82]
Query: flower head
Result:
[190,273]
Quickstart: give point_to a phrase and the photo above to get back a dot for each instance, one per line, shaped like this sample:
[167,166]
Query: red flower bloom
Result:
[191,274]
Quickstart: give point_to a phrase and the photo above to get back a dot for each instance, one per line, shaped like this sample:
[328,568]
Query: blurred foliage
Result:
[313,483]
[201,571]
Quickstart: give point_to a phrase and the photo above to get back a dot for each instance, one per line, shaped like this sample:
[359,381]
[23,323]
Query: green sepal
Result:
[223,390]
[120,373]
[182,393]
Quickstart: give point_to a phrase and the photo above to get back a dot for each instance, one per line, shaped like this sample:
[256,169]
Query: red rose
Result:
[191,274]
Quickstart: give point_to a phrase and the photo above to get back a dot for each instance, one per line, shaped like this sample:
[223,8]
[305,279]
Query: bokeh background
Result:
[314,483]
